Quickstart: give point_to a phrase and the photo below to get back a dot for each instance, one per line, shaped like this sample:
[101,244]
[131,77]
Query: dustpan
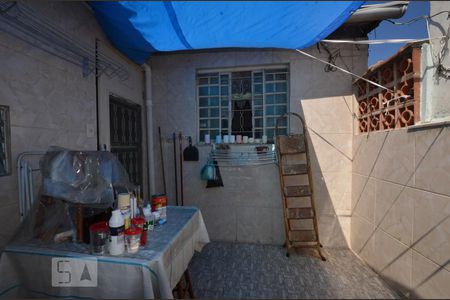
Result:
[190,153]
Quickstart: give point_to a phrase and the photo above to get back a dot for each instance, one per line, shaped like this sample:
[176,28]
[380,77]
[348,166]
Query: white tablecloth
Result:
[25,269]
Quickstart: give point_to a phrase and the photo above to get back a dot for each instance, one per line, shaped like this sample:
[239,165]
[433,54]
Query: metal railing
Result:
[25,169]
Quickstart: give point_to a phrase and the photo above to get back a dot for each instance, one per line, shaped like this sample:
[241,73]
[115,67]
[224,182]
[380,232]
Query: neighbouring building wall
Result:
[248,208]
[436,87]
[50,101]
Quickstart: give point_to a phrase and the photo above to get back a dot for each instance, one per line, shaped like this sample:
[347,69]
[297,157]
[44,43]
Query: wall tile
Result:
[322,119]
[253,58]
[358,184]
[393,260]
[9,214]
[278,230]
[345,224]
[332,192]
[365,205]
[429,280]
[220,221]
[331,152]
[432,226]
[369,150]
[434,170]
[396,160]
[331,231]
[357,140]
[362,240]
[386,194]
[254,225]
[398,220]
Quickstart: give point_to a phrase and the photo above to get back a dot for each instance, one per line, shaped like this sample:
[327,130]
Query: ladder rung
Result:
[297,191]
[297,169]
[302,236]
[314,244]
[291,144]
[300,213]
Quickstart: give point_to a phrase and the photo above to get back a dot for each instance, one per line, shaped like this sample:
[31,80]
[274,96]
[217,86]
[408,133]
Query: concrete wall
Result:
[401,208]
[50,101]
[248,208]
[435,87]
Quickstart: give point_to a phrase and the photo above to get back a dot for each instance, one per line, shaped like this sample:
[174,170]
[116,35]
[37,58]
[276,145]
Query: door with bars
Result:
[126,136]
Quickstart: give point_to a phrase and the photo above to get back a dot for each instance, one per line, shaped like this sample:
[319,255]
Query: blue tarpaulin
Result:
[139,29]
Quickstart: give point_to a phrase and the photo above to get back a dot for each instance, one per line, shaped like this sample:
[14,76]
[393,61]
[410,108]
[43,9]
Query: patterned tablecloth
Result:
[26,268]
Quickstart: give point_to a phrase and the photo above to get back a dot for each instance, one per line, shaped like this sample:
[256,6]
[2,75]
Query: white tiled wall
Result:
[248,207]
[50,101]
[401,208]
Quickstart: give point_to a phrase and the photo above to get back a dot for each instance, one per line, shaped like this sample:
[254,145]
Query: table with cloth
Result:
[25,268]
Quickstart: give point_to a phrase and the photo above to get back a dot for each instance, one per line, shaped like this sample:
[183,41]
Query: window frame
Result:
[229,71]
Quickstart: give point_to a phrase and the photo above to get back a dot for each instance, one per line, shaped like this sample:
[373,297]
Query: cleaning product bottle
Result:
[116,236]
[123,203]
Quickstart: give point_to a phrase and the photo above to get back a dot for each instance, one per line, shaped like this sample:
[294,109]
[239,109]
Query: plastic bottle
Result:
[149,218]
[116,237]
[124,205]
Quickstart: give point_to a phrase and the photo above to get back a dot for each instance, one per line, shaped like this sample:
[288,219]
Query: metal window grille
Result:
[5,141]
[246,102]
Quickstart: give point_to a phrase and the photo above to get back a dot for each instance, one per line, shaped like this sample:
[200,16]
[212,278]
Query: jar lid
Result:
[133,231]
[138,221]
[99,227]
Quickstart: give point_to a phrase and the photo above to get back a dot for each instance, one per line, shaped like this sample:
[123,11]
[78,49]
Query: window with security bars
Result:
[244,102]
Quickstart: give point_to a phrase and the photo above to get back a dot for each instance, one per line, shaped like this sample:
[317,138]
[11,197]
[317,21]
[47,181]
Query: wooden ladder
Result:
[297,193]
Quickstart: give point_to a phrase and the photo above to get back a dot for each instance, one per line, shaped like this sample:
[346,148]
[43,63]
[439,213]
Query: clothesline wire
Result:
[344,70]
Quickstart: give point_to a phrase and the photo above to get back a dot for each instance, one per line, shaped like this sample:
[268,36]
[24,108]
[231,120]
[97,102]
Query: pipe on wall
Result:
[149,108]
[378,12]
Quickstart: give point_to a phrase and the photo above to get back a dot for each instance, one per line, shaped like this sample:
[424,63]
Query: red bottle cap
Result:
[133,231]
[99,227]
[138,221]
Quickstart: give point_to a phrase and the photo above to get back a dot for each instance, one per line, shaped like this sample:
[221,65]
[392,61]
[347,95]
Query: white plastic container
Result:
[116,233]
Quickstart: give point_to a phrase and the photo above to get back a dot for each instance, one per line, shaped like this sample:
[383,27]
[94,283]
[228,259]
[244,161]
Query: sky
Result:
[386,30]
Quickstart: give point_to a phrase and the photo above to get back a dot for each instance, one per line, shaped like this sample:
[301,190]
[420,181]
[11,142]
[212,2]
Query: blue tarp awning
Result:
[139,29]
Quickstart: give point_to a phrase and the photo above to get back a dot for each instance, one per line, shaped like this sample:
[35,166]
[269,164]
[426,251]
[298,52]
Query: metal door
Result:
[126,136]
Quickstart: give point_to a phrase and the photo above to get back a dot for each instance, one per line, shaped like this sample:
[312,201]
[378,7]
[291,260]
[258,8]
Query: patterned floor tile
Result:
[249,271]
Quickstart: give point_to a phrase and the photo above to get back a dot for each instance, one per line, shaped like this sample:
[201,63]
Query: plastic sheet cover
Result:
[144,27]
[85,177]
[72,180]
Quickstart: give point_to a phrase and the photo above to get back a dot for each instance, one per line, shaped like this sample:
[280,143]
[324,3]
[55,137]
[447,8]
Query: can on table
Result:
[159,204]
[99,235]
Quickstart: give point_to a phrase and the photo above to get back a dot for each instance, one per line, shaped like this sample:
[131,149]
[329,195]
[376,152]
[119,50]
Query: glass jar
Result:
[133,239]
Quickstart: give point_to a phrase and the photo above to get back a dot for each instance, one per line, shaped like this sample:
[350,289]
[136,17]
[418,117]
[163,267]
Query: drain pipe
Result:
[149,107]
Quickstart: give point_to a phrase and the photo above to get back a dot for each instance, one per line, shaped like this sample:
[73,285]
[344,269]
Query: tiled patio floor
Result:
[231,270]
